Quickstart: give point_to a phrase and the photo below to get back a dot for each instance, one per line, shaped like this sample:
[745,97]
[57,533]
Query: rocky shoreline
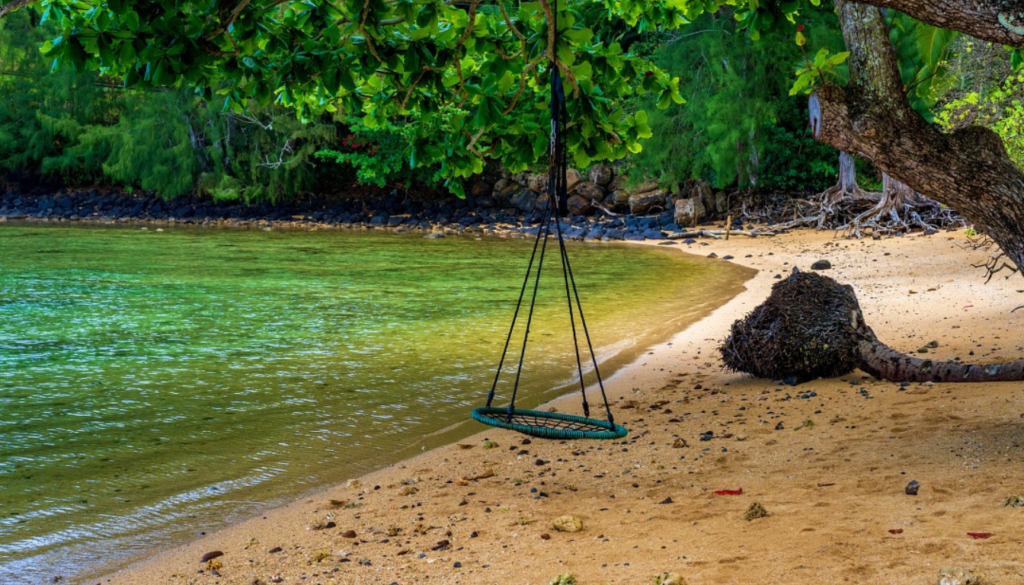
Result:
[499,203]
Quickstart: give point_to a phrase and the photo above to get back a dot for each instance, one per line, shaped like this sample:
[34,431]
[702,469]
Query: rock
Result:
[485,202]
[961,576]
[666,501]
[712,255]
[572,179]
[821,265]
[275,550]
[525,201]
[689,211]
[620,198]
[504,196]
[499,185]
[721,203]
[652,234]
[434,236]
[754,512]
[545,536]
[538,183]
[1013,502]
[568,523]
[669,579]
[489,444]
[647,202]
[348,534]
[480,188]
[702,192]
[211,555]
[615,184]
[912,488]
[521,178]
[600,174]
[590,191]
[679,443]
[646,186]
[579,205]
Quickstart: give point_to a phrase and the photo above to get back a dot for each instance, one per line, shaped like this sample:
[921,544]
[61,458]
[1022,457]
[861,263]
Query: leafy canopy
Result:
[484,67]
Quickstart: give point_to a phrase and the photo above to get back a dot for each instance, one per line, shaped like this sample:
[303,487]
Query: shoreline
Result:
[333,557]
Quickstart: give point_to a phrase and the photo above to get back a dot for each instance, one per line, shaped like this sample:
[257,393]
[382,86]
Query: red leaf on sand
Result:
[895,531]
[729,492]
[968,306]
[979,535]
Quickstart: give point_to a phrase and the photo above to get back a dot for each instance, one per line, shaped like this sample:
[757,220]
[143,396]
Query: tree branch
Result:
[12,6]
[997,21]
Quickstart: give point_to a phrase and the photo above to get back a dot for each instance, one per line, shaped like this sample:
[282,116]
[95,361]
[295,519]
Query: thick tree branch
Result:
[998,21]
[12,6]
[871,117]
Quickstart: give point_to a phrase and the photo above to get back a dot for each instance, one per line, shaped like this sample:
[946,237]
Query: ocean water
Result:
[158,384]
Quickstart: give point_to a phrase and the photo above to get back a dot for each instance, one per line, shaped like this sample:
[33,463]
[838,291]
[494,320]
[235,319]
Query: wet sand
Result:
[828,460]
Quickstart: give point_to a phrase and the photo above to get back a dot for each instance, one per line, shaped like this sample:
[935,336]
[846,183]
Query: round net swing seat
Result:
[549,425]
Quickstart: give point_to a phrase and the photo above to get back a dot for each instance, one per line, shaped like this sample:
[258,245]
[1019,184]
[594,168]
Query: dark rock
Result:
[525,201]
[348,534]
[580,205]
[600,174]
[912,488]
[275,550]
[779,426]
[395,221]
[727,257]
[821,265]
[590,191]
[653,234]
[480,188]
[689,241]
[666,501]
[648,202]
[211,555]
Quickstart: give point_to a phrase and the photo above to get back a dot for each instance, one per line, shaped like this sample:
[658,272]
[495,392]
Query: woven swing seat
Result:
[549,425]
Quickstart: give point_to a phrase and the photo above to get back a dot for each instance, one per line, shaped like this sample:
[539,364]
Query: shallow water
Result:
[155,385]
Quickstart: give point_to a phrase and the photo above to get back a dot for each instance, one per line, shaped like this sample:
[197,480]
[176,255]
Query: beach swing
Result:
[551,425]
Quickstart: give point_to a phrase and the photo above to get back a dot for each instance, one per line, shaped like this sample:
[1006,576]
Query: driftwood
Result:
[812,327]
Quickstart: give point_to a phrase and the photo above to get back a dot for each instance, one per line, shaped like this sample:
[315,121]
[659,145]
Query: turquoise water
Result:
[158,384]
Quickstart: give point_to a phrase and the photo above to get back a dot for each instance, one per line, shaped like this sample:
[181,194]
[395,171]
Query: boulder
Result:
[572,179]
[616,183]
[689,211]
[621,198]
[480,188]
[645,187]
[537,183]
[580,205]
[503,197]
[501,184]
[525,200]
[485,202]
[521,178]
[821,265]
[590,191]
[600,174]
[721,203]
[568,523]
[650,201]
[703,192]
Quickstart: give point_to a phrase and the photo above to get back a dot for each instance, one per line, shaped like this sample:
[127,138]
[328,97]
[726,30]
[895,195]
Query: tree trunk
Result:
[871,117]
[885,363]
[997,21]
[847,187]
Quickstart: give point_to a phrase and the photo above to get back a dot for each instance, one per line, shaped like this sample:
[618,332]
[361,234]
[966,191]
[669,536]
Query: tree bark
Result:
[13,5]
[885,363]
[968,169]
[847,186]
[997,21]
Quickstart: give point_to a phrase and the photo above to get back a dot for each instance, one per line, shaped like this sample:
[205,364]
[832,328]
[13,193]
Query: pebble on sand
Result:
[567,523]
[211,555]
[961,576]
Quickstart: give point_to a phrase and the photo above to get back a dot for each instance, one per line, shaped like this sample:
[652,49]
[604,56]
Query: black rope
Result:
[515,316]
[557,200]
[545,227]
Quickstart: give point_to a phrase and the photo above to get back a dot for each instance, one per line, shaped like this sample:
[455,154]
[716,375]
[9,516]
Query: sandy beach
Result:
[828,460]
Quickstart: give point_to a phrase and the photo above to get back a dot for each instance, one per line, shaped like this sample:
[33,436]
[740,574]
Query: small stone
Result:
[442,545]
[489,444]
[821,265]
[779,426]
[348,534]
[567,524]
[912,488]
[275,550]
[545,536]
[727,257]
[712,255]
[754,512]
[667,500]
[211,555]
[669,579]
[679,444]
[961,576]
[457,565]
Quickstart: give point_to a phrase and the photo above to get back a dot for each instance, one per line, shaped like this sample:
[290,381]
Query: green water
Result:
[155,385]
